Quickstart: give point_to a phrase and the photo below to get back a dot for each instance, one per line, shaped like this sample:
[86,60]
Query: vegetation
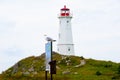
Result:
[68,68]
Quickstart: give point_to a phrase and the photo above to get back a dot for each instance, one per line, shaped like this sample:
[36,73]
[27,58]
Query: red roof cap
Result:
[65,9]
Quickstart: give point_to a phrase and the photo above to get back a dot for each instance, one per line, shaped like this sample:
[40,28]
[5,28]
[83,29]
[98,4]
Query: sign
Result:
[53,67]
[48,55]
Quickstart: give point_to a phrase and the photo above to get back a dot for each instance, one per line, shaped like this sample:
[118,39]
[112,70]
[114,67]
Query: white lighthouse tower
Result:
[65,40]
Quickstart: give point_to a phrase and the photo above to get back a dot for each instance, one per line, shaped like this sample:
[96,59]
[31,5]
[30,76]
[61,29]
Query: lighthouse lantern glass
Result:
[64,12]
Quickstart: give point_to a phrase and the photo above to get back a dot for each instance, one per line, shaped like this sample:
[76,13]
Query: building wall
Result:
[65,40]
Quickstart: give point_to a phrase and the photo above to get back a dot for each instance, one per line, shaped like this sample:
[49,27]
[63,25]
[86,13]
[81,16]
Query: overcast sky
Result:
[23,24]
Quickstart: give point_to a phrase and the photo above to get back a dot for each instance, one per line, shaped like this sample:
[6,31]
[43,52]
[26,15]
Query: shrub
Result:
[118,70]
[98,73]
[116,77]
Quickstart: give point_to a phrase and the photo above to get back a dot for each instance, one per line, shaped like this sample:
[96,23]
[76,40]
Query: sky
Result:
[23,24]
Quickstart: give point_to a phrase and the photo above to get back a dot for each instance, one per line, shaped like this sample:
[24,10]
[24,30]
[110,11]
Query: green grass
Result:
[92,70]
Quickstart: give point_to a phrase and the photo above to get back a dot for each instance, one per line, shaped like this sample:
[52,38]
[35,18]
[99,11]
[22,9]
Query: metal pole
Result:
[45,75]
[50,65]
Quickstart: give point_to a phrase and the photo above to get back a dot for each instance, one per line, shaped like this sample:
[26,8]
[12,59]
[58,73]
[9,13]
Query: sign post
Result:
[50,65]
[48,52]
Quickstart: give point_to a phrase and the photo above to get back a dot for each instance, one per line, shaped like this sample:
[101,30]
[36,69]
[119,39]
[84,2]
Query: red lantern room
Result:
[65,11]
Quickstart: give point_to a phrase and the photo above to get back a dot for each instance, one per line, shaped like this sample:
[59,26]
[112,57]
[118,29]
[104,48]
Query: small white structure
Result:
[65,40]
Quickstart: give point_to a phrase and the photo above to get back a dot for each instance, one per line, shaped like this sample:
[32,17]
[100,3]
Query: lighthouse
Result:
[65,41]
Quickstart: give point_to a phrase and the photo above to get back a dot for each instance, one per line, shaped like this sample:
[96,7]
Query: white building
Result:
[65,40]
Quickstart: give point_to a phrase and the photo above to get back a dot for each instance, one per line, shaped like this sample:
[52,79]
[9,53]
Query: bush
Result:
[108,65]
[98,73]
[116,77]
[118,70]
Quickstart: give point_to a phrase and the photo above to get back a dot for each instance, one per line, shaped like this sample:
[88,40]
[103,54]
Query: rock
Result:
[23,69]
[66,72]
[31,69]
[35,73]
[42,68]
[59,62]
[83,62]
[68,64]
[15,68]
[75,72]
[77,66]
[8,71]
[64,57]
[57,67]
[26,73]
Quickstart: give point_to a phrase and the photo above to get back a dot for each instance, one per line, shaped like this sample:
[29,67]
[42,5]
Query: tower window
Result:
[68,49]
[67,21]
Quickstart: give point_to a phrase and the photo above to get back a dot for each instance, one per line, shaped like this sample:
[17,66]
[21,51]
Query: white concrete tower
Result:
[65,40]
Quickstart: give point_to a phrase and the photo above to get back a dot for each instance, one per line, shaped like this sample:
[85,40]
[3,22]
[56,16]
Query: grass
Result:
[92,70]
